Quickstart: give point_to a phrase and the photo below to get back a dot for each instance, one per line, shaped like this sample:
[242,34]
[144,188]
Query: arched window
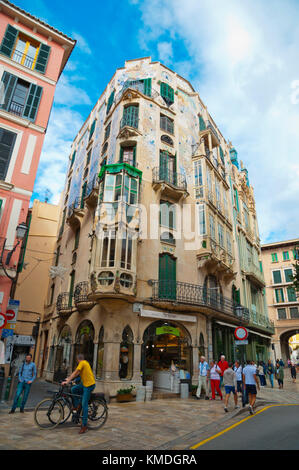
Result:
[168,140]
[167,237]
[63,354]
[126,354]
[100,358]
[84,342]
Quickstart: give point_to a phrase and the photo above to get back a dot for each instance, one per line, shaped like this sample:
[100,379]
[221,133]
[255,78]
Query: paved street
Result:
[160,424]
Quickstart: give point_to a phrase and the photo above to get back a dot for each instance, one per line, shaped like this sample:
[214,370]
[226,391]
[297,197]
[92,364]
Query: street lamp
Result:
[21,232]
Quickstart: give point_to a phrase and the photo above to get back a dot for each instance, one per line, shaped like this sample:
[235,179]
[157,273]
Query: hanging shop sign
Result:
[241,333]
[167,316]
[170,330]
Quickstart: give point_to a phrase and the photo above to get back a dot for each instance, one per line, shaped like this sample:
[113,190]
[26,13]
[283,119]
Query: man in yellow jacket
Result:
[85,388]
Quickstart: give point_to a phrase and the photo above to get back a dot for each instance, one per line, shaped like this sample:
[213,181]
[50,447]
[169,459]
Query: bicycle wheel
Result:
[66,410]
[48,413]
[97,413]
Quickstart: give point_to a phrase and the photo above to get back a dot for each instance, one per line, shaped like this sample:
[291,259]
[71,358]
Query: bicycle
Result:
[51,412]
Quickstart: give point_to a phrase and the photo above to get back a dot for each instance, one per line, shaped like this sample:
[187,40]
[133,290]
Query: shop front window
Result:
[126,354]
[84,342]
[164,342]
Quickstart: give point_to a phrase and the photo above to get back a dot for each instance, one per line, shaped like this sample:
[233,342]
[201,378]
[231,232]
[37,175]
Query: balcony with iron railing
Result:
[253,272]
[23,59]
[261,321]
[135,86]
[183,293]
[64,303]
[213,255]
[170,183]
[75,212]
[81,299]
[92,192]
[16,108]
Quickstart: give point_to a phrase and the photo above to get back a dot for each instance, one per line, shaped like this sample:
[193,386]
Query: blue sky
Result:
[242,58]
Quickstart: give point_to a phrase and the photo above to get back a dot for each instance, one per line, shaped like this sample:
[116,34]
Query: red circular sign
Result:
[241,333]
[10,315]
[3,320]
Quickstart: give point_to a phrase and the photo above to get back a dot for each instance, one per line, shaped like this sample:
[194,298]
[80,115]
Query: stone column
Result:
[136,363]
[111,361]
[195,365]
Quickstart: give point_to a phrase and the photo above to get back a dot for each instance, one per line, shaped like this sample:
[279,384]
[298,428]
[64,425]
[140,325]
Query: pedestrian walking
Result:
[85,388]
[281,363]
[238,371]
[203,370]
[223,364]
[215,372]
[230,386]
[293,371]
[270,372]
[261,374]
[279,375]
[26,376]
[250,383]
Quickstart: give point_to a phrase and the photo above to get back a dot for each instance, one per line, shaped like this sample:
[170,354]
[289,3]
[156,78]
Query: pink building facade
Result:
[32,58]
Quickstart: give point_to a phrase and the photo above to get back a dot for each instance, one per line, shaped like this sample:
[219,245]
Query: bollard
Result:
[184,390]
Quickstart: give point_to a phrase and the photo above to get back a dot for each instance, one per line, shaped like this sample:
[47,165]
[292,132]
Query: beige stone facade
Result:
[32,282]
[278,260]
[148,259]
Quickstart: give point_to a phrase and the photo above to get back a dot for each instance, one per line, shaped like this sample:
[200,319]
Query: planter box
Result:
[125,397]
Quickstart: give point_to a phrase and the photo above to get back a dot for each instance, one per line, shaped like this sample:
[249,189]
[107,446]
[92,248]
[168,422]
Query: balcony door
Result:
[167,277]
[167,167]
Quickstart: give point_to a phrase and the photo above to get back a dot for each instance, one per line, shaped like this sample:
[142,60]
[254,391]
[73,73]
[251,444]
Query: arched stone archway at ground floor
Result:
[280,344]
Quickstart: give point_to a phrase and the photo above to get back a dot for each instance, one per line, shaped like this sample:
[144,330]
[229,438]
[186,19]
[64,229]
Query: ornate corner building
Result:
[158,253]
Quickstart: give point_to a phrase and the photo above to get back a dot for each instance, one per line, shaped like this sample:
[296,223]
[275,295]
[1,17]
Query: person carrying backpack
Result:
[27,375]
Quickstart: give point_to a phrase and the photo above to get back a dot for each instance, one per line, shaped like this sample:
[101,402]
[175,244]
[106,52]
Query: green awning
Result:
[118,167]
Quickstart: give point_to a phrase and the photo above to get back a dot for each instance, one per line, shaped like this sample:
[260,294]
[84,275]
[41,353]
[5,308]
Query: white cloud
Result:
[81,43]
[69,94]
[244,62]
[63,127]
[165,51]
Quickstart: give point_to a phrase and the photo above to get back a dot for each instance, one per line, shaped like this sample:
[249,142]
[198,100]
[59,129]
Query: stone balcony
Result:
[170,184]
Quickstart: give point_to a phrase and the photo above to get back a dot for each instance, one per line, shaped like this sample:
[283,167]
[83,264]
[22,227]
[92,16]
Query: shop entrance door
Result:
[164,343]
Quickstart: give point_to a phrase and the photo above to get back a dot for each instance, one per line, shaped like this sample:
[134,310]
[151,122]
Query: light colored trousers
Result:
[202,383]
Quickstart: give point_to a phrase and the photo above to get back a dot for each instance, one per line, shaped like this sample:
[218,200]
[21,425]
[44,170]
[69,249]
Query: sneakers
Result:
[21,411]
[237,407]
[250,410]
[225,409]
[11,412]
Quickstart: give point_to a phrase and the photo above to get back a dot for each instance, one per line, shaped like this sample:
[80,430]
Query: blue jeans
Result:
[22,387]
[271,379]
[85,392]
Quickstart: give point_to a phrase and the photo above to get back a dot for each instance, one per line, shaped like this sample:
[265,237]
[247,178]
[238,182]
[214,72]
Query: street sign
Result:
[241,342]
[241,333]
[3,320]
[12,311]
[10,315]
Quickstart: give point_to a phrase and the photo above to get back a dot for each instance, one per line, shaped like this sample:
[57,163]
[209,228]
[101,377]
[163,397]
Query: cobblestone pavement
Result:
[159,424]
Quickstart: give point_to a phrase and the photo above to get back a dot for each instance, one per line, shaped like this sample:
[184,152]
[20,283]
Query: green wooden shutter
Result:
[134,156]
[202,124]
[167,276]
[42,58]
[110,101]
[167,93]
[73,158]
[83,194]
[7,141]
[130,117]
[92,129]
[9,40]
[221,154]
[10,82]
[32,103]
[72,283]
[147,86]
[277,277]
[121,155]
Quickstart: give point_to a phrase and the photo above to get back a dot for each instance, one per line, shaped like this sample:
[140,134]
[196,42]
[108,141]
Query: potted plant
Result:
[125,394]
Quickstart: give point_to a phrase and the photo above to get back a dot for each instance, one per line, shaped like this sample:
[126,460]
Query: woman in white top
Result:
[215,372]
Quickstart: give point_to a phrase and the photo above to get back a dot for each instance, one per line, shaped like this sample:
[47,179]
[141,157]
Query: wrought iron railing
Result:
[164,174]
[194,294]
[27,60]
[64,301]
[91,185]
[16,108]
[76,204]
[258,319]
[81,292]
